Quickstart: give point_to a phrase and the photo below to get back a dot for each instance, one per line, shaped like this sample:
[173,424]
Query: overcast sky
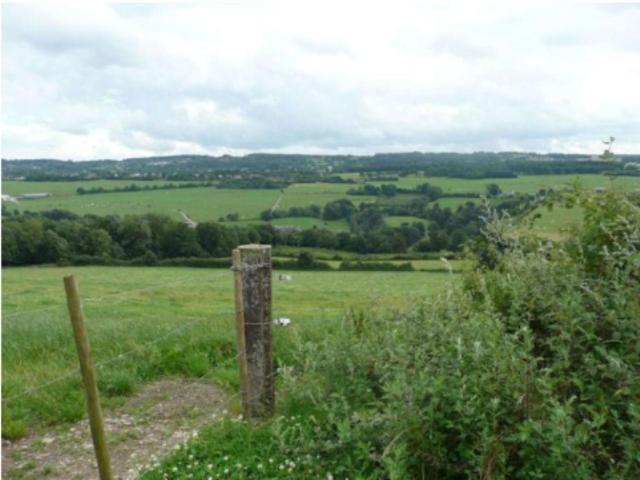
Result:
[115,81]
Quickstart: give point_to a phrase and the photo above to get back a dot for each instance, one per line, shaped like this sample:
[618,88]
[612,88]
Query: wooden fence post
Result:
[252,267]
[88,377]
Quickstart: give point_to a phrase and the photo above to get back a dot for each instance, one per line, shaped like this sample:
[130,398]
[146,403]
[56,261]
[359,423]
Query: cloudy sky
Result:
[88,81]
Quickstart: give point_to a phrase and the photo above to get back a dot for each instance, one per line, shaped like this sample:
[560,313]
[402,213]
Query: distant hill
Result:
[205,167]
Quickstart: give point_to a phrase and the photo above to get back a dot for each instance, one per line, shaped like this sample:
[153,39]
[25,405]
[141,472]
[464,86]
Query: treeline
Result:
[59,236]
[431,192]
[138,188]
[290,168]
[279,182]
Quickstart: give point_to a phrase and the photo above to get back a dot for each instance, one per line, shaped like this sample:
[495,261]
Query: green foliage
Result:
[337,209]
[530,370]
[116,383]
[493,190]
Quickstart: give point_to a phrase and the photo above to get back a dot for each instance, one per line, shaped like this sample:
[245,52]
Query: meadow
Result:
[145,323]
[210,203]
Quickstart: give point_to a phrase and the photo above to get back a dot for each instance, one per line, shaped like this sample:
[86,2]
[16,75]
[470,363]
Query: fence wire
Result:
[113,359]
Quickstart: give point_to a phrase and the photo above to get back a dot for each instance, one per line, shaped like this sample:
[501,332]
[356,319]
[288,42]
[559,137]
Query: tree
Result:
[337,209]
[97,242]
[209,236]
[54,248]
[306,260]
[493,190]
[180,240]
[135,236]
[10,250]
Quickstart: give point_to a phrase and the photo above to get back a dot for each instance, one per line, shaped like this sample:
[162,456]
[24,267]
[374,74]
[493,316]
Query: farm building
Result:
[33,196]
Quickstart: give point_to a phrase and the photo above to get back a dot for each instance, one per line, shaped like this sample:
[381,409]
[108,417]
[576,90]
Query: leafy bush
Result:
[531,369]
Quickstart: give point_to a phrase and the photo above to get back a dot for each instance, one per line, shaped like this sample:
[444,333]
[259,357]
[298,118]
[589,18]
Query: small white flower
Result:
[209,467]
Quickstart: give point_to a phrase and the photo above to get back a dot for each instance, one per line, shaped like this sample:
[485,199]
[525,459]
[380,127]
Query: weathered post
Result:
[252,267]
[88,377]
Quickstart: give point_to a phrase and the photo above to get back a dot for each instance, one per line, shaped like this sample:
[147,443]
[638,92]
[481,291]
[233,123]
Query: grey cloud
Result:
[133,78]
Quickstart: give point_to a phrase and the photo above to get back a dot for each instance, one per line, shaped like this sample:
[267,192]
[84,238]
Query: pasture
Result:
[522,184]
[209,203]
[145,323]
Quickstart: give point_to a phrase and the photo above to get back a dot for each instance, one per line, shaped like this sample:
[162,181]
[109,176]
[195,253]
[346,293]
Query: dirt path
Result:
[277,202]
[188,220]
[152,423]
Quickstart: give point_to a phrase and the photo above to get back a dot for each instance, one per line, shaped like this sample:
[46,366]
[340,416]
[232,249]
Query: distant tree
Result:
[306,260]
[388,190]
[233,217]
[493,190]
[180,240]
[135,236]
[10,249]
[97,242]
[338,209]
[432,192]
[54,248]
[367,219]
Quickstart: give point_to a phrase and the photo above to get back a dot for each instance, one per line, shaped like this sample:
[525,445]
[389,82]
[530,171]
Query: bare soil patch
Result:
[157,419]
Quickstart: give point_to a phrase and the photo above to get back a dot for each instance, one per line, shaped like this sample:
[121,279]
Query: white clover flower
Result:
[226,457]
[209,467]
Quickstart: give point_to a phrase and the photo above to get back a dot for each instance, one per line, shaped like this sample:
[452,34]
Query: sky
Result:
[90,80]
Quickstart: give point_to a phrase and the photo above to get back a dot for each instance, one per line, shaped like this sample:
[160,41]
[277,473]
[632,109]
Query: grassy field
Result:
[203,204]
[522,184]
[305,194]
[63,189]
[144,323]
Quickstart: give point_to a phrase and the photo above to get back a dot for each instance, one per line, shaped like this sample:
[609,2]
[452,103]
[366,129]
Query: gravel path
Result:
[152,423]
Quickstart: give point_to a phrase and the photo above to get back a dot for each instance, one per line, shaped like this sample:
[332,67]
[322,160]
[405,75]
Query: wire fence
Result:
[113,359]
[187,323]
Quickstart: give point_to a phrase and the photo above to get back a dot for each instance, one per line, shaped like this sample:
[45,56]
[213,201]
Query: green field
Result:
[167,321]
[522,184]
[206,203]
[61,189]
[305,194]
[200,204]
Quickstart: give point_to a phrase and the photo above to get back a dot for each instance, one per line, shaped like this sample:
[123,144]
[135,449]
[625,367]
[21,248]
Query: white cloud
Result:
[94,80]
